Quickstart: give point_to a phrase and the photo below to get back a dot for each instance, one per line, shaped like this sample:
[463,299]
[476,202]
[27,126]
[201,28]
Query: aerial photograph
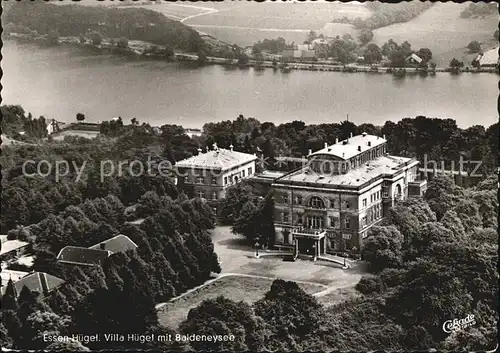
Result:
[264,176]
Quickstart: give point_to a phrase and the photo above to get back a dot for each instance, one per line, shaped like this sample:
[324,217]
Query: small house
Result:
[39,283]
[414,59]
[12,249]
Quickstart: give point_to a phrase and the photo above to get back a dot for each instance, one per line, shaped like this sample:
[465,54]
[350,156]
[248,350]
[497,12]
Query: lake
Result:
[59,82]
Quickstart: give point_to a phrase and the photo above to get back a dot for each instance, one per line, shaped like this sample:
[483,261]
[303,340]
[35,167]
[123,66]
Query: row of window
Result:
[316,202]
[213,180]
[315,222]
[235,178]
[203,195]
[373,214]
[373,197]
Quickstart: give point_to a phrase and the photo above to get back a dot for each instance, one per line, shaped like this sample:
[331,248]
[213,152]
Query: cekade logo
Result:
[450,326]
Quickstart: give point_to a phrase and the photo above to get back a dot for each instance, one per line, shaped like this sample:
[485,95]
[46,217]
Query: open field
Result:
[237,288]
[248,22]
[441,29]
[80,133]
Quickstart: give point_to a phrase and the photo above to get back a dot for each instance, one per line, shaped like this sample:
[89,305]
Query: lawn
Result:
[238,288]
[338,295]
[441,29]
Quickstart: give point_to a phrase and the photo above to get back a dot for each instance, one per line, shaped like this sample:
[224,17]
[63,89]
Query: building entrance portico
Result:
[309,242]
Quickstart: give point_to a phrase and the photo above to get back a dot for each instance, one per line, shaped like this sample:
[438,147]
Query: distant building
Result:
[304,51]
[96,254]
[53,126]
[39,283]
[12,275]
[330,204]
[211,172]
[12,249]
[79,256]
[119,243]
[489,58]
[414,59]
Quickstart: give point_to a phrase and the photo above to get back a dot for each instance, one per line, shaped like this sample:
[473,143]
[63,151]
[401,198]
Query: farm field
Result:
[247,23]
[237,288]
[441,29]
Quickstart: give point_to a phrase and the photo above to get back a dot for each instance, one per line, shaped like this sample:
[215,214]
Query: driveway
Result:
[237,256]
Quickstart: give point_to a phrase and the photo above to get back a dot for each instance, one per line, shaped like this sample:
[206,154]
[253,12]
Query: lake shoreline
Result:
[140,52]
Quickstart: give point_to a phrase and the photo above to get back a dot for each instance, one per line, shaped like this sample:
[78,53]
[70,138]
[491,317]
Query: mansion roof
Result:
[220,159]
[381,166]
[350,147]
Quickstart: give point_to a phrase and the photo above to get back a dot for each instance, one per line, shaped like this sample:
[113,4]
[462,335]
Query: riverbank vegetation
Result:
[74,20]
[480,10]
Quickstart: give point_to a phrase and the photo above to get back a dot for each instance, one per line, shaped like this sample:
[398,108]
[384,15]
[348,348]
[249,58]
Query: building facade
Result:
[343,190]
[210,173]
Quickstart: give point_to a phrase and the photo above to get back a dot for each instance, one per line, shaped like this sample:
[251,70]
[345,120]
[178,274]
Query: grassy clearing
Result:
[442,31]
[237,288]
[338,296]
[86,134]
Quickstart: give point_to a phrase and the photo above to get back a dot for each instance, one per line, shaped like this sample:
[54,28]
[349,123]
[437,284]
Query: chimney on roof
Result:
[359,148]
[336,140]
[384,136]
[231,147]
[326,144]
[364,134]
[310,152]
[199,150]
[207,148]
[102,246]
[369,143]
[350,135]
[43,283]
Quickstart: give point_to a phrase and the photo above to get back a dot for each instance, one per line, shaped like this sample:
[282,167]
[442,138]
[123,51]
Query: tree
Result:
[404,220]
[451,221]
[365,36]
[122,42]
[474,46]
[247,222]
[202,58]
[455,64]
[40,323]
[9,301]
[290,313]
[80,117]
[311,36]
[222,316]
[382,248]
[372,54]
[96,38]
[243,59]
[425,54]
[53,36]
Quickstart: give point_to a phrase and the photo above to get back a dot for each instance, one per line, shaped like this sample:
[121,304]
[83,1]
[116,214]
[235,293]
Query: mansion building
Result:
[330,203]
[210,173]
